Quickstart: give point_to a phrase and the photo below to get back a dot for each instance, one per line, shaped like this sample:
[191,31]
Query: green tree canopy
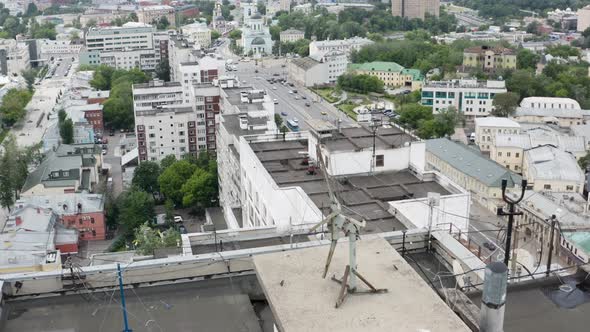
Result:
[411,115]
[147,239]
[13,105]
[505,104]
[145,176]
[135,208]
[173,178]
[360,83]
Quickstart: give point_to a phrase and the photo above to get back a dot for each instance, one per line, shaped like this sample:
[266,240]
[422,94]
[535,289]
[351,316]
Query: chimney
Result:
[493,299]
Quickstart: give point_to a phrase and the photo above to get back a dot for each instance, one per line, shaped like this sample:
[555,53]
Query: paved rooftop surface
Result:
[247,244]
[355,139]
[301,300]
[529,307]
[363,196]
[213,305]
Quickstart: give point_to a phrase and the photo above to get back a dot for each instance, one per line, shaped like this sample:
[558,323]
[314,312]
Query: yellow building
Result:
[392,74]
[488,58]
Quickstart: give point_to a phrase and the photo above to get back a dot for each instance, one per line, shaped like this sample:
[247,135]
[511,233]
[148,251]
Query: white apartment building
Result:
[151,14]
[487,128]
[57,48]
[344,45]
[321,68]
[197,33]
[471,97]
[549,168]
[291,36]
[134,45]
[169,120]
[14,57]
[245,112]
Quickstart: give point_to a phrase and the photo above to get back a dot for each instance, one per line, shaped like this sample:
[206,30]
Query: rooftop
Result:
[550,163]
[567,207]
[305,63]
[546,305]
[551,112]
[467,83]
[361,138]
[471,162]
[66,203]
[579,239]
[550,100]
[535,138]
[496,50]
[212,305]
[291,31]
[377,66]
[363,196]
[301,300]
[496,122]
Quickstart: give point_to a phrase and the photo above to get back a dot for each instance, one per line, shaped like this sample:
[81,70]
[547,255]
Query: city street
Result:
[287,102]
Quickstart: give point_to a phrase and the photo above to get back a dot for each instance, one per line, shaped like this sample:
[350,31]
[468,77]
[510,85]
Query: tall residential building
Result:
[415,8]
[177,117]
[134,45]
[489,58]
[14,57]
[471,97]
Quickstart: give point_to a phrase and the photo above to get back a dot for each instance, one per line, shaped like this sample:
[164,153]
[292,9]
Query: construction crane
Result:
[338,222]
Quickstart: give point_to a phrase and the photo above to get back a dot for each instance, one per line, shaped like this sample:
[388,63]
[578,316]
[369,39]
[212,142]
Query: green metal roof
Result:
[377,66]
[579,239]
[471,162]
[382,66]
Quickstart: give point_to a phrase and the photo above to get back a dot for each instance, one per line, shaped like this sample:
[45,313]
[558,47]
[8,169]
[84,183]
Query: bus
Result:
[293,124]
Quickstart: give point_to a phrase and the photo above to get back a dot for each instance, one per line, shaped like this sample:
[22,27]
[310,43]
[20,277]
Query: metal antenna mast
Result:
[336,222]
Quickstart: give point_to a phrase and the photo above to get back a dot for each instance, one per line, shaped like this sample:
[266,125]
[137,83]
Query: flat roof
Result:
[360,138]
[301,300]
[363,196]
[212,305]
[540,305]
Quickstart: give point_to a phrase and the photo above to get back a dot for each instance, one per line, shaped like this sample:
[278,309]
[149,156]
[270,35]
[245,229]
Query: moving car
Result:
[307,104]
[275,101]
[324,113]
[104,152]
[284,113]
[489,245]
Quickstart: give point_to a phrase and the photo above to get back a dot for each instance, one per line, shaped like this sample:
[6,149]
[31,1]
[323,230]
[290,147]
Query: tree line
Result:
[118,109]
[15,163]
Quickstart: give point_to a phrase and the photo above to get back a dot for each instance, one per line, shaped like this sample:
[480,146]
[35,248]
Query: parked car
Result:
[104,152]
[303,97]
[307,104]
[275,101]
[178,219]
[489,245]
[284,113]
[276,74]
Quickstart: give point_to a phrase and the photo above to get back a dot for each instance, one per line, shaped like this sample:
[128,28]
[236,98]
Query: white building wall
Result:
[266,204]
[347,163]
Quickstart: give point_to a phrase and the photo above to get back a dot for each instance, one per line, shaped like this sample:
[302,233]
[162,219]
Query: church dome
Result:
[258,41]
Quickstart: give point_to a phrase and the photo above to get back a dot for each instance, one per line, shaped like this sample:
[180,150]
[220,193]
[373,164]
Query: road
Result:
[31,130]
[484,227]
[291,104]
[115,162]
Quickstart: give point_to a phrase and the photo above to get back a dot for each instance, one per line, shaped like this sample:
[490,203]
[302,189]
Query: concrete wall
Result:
[266,204]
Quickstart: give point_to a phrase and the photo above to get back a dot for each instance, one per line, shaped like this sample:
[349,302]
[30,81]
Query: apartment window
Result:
[181,133]
[547,186]
[499,154]
[92,220]
[508,154]
[569,188]
[379,160]
[517,155]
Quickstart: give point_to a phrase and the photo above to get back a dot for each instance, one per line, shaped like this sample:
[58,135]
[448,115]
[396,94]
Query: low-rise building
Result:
[80,211]
[69,169]
[256,38]
[197,33]
[49,49]
[14,57]
[342,45]
[489,58]
[471,97]
[291,36]
[549,168]
[83,134]
[322,68]
[32,239]
[487,128]
[550,103]
[471,170]
[92,113]
[392,74]
[558,116]
[133,45]
[153,14]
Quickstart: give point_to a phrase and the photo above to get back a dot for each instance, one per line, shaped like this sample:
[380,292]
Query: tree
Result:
[91,23]
[261,7]
[135,208]
[526,59]
[360,83]
[162,23]
[145,177]
[14,165]
[235,34]
[167,161]
[31,10]
[505,104]
[66,131]
[29,75]
[533,28]
[278,120]
[215,35]
[584,162]
[163,70]
[147,240]
[13,105]
[201,189]
[173,178]
[412,114]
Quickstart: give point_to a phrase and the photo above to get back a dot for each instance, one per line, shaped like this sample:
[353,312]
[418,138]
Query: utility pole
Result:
[514,249]
[553,222]
[374,125]
[123,305]
[511,213]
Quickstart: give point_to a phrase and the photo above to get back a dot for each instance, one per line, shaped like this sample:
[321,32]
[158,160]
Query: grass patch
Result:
[326,93]
[347,108]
